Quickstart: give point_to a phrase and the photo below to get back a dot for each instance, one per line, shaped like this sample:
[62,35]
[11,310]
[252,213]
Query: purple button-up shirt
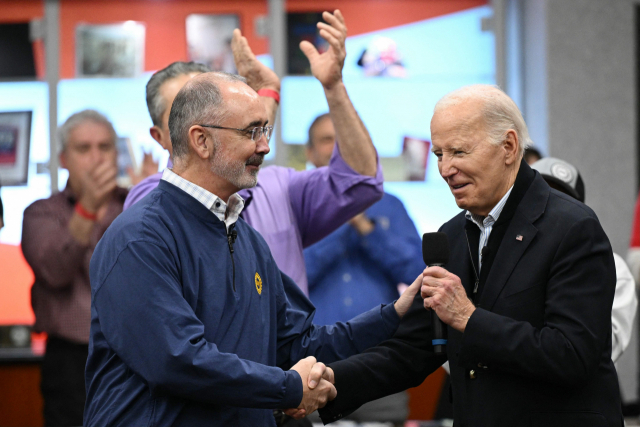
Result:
[293,210]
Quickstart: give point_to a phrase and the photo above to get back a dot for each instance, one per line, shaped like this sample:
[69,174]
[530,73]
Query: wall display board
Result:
[209,40]
[113,50]
[15,138]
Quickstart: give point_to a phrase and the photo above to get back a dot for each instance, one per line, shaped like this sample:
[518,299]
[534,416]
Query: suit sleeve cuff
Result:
[473,340]
[334,411]
[292,390]
[390,318]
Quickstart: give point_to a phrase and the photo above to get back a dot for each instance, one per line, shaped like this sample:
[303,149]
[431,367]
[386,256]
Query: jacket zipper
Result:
[232,234]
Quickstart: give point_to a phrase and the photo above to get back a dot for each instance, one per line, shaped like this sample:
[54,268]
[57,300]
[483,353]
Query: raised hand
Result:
[258,75]
[321,390]
[327,67]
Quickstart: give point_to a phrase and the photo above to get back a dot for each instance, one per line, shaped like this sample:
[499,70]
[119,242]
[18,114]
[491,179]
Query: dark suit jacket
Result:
[539,342]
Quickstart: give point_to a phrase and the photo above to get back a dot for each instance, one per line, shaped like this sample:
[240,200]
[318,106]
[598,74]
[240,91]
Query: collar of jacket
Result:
[526,204]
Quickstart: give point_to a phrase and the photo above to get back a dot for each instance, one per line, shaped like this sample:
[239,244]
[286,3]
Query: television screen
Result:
[16,52]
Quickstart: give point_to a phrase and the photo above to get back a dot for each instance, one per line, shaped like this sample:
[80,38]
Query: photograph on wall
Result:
[382,58]
[15,138]
[415,153]
[209,40]
[113,50]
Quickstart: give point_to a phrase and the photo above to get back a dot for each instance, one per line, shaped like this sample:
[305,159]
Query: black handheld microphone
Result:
[435,252]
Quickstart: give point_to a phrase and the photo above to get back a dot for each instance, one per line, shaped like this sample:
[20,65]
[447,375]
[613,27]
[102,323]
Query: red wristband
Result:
[270,93]
[80,210]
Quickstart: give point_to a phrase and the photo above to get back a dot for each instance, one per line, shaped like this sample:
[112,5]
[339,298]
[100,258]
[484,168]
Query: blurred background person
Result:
[290,209]
[58,238]
[362,264]
[531,155]
[162,88]
[564,177]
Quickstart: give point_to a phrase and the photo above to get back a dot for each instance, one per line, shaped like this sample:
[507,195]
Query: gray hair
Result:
[79,118]
[500,113]
[155,102]
[198,102]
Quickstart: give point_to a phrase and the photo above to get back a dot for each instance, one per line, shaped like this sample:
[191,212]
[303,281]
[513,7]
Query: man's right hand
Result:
[97,186]
[316,390]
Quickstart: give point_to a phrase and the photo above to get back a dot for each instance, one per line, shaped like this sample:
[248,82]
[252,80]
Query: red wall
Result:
[165,20]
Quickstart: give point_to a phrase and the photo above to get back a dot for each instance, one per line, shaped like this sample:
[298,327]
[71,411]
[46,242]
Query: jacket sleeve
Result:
[577,321]
[323,199]
[52,253]
[394,244]
[151,327]
[298,337]
[402,362]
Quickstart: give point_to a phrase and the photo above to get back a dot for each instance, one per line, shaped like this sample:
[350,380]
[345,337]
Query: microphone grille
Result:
[435,248]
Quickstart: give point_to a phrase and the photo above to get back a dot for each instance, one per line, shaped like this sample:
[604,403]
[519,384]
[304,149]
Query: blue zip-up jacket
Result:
[349,273]
[183,332]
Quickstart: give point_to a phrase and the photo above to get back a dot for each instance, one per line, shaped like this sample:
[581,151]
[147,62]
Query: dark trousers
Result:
[62,383]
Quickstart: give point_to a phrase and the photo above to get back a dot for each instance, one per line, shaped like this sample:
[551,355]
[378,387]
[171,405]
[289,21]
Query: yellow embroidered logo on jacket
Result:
[258,284]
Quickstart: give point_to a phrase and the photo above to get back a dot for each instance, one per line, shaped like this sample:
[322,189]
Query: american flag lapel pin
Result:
[519,237]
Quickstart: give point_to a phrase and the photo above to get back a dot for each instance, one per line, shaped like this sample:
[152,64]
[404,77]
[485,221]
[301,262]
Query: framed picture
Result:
[209,40]
[415,153]
[15,138]
[112,50]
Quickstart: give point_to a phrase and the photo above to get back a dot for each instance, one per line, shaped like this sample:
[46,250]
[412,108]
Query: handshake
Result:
[317,387]
[318,380]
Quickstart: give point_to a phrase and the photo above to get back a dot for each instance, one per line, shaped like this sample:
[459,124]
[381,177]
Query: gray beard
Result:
[234,170]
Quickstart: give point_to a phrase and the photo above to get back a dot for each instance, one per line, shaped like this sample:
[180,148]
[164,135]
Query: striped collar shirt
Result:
[225,212]
[485,223]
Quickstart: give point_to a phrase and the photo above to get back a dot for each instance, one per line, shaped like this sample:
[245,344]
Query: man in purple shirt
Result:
[291,209]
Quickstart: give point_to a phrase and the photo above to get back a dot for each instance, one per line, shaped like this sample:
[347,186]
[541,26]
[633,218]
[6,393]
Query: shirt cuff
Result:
[350,176]
[292,390]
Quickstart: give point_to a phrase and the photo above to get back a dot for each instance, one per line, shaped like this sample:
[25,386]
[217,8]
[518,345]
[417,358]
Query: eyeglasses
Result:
[256,133]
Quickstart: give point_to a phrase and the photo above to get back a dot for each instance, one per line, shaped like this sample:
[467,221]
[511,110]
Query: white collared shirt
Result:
[485,224]
[227,213]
